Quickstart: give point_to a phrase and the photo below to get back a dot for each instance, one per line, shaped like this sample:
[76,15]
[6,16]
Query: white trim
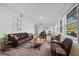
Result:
[71,8]
[77,23]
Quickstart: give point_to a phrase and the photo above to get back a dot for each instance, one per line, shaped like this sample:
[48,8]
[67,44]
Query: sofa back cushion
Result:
[19,35]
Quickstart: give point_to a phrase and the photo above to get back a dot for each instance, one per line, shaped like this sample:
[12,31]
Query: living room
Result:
[39,29]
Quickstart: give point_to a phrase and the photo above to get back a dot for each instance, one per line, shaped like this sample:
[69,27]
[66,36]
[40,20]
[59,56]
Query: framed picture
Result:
[71,27]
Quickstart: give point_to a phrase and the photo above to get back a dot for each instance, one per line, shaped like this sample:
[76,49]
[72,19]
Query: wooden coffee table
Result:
[36,43]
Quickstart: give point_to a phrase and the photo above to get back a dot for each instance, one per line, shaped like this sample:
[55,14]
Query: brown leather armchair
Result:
[61,49]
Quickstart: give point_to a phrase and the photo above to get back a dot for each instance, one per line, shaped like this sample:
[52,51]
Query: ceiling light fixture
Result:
[41,17]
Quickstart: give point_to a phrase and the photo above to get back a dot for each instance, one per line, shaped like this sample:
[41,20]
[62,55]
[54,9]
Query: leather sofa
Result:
[19,38]
[61,48]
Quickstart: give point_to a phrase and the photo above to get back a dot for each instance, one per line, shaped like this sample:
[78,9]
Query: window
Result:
[60,26]
[71,27]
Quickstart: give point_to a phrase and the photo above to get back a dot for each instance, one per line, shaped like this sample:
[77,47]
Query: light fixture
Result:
[41,17]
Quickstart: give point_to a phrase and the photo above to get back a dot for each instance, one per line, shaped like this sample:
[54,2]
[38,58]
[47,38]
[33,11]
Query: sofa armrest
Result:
[53,50]
[8,42]
[57,42]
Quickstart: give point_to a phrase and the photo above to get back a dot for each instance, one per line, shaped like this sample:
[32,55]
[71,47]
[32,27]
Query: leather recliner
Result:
[61,49]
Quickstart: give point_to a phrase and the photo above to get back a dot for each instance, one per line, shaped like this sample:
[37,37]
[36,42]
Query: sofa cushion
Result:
[59,50]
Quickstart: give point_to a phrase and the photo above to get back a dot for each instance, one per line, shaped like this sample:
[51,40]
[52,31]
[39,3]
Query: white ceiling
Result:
[49,13]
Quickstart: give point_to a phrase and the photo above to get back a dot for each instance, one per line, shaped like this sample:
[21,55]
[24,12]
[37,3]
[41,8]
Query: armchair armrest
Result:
[57,42]
[53,50]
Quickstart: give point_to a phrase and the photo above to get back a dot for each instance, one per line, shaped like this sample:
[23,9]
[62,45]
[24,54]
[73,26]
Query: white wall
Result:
[40,29]
[6,21]
[28,27]
[56,29]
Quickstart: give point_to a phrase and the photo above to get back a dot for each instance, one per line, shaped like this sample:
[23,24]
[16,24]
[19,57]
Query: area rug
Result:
[26,50]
